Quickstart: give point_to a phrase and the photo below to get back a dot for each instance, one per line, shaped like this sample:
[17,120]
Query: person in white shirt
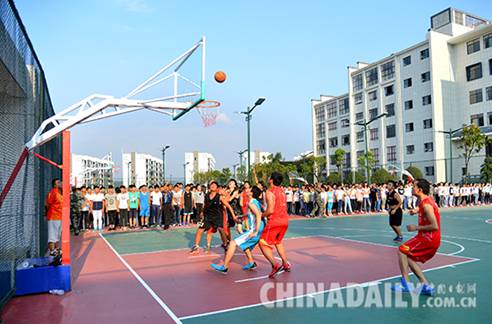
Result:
[155,208]
[97,203]
[123,207]
[407,197]
[289,194]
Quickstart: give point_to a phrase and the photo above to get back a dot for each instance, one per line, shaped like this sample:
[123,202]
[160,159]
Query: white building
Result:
[439,84]
[140,169]
[91,171]
[257,157]
[197,162]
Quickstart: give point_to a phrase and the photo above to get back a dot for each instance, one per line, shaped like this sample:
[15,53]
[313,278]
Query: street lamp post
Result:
[248,113]
[234,169]
[450,133]
[164,162]
[241,159]
[364,124]
[129,170]
[184,171]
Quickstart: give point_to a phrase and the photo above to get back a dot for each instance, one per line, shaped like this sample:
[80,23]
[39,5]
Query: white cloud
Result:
[139,6]
[223,118]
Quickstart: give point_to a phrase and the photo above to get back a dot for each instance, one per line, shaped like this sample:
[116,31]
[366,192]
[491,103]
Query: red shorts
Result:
[419,249]
[273,234]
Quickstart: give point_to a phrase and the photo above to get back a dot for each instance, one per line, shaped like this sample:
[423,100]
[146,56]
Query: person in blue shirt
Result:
[250,238]
[144,206]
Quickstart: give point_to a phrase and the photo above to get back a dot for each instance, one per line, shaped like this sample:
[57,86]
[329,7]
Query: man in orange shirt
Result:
[53,207]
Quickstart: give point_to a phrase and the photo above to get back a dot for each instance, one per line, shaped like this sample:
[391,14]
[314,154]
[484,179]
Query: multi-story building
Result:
[439,84]
[92,171]
[140,169]
[197,162]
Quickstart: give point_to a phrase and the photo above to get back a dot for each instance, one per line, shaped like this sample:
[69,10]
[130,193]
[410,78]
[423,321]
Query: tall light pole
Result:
[241,159]
[364,124]
[450,133]
[184,171]
[164,161]
[248,113]
[129,170]
[234,169]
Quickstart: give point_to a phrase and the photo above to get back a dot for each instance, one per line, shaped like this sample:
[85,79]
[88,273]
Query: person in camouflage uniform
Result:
[76,204]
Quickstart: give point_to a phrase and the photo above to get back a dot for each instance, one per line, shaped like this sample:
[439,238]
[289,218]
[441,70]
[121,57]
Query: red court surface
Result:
[190,287]
[105,290]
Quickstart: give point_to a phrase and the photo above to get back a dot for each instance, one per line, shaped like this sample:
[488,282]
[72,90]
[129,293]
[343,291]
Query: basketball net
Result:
[208,111]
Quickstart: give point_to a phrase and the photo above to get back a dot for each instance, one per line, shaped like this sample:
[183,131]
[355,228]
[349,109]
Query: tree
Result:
[340,161]
[359,178]
[415,172]
[274,164]
[311,167]
[370,162]
[381,176]
[486,169]
[472,141]
[333,178]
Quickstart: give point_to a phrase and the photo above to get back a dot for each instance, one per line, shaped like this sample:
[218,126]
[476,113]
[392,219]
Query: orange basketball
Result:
[220,76]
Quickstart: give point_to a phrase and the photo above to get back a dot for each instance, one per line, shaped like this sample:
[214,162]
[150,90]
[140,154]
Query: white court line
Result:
[144,284]
[488,221]
[363,284]
[381,231]
[461,247]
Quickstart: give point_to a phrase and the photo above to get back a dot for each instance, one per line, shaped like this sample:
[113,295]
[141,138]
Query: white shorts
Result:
[54,231]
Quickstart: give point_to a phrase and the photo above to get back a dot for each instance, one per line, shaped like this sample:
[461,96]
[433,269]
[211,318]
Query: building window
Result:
[372,77]
[426,100]
[390,110]
[407,60]
[490,66]
[407,83]
[410,149]
[488,93]
[343,106]
[476,96]
[490,117]
[391,153]
[357,82]
[388,91]
[359,116]
[373,113]
[429,171]
[473,46]
[388,70]
[347,160]
[375,155]
[424,54]
[320,114]
[321,130]
[332,126]
[360,136]
[333,141]
[427,123]
[373,95]
[474,72]
[390,131]
[428,147]
[346,140]
[321,147]
[332,109]
[487,41]
[345,123]
[409,127]
[408,104]
[477,119]
[358,98]
[373,132]
[332,160]
[359,154]
[426,76]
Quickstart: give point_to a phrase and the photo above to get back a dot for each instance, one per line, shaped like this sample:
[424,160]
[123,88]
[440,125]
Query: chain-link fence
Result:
[24,104]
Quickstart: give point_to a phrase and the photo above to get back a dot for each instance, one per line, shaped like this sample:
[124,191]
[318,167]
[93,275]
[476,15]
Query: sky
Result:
[286,51]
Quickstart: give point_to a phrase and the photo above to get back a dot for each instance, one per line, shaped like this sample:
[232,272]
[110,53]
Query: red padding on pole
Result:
[13,175]
[66,198]
[42,158]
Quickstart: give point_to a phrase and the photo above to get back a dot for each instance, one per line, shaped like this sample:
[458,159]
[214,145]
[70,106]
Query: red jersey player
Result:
[277,224]
[424,245]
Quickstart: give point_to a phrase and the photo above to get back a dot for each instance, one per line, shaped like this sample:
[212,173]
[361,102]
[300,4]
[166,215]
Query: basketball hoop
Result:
[208,112]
